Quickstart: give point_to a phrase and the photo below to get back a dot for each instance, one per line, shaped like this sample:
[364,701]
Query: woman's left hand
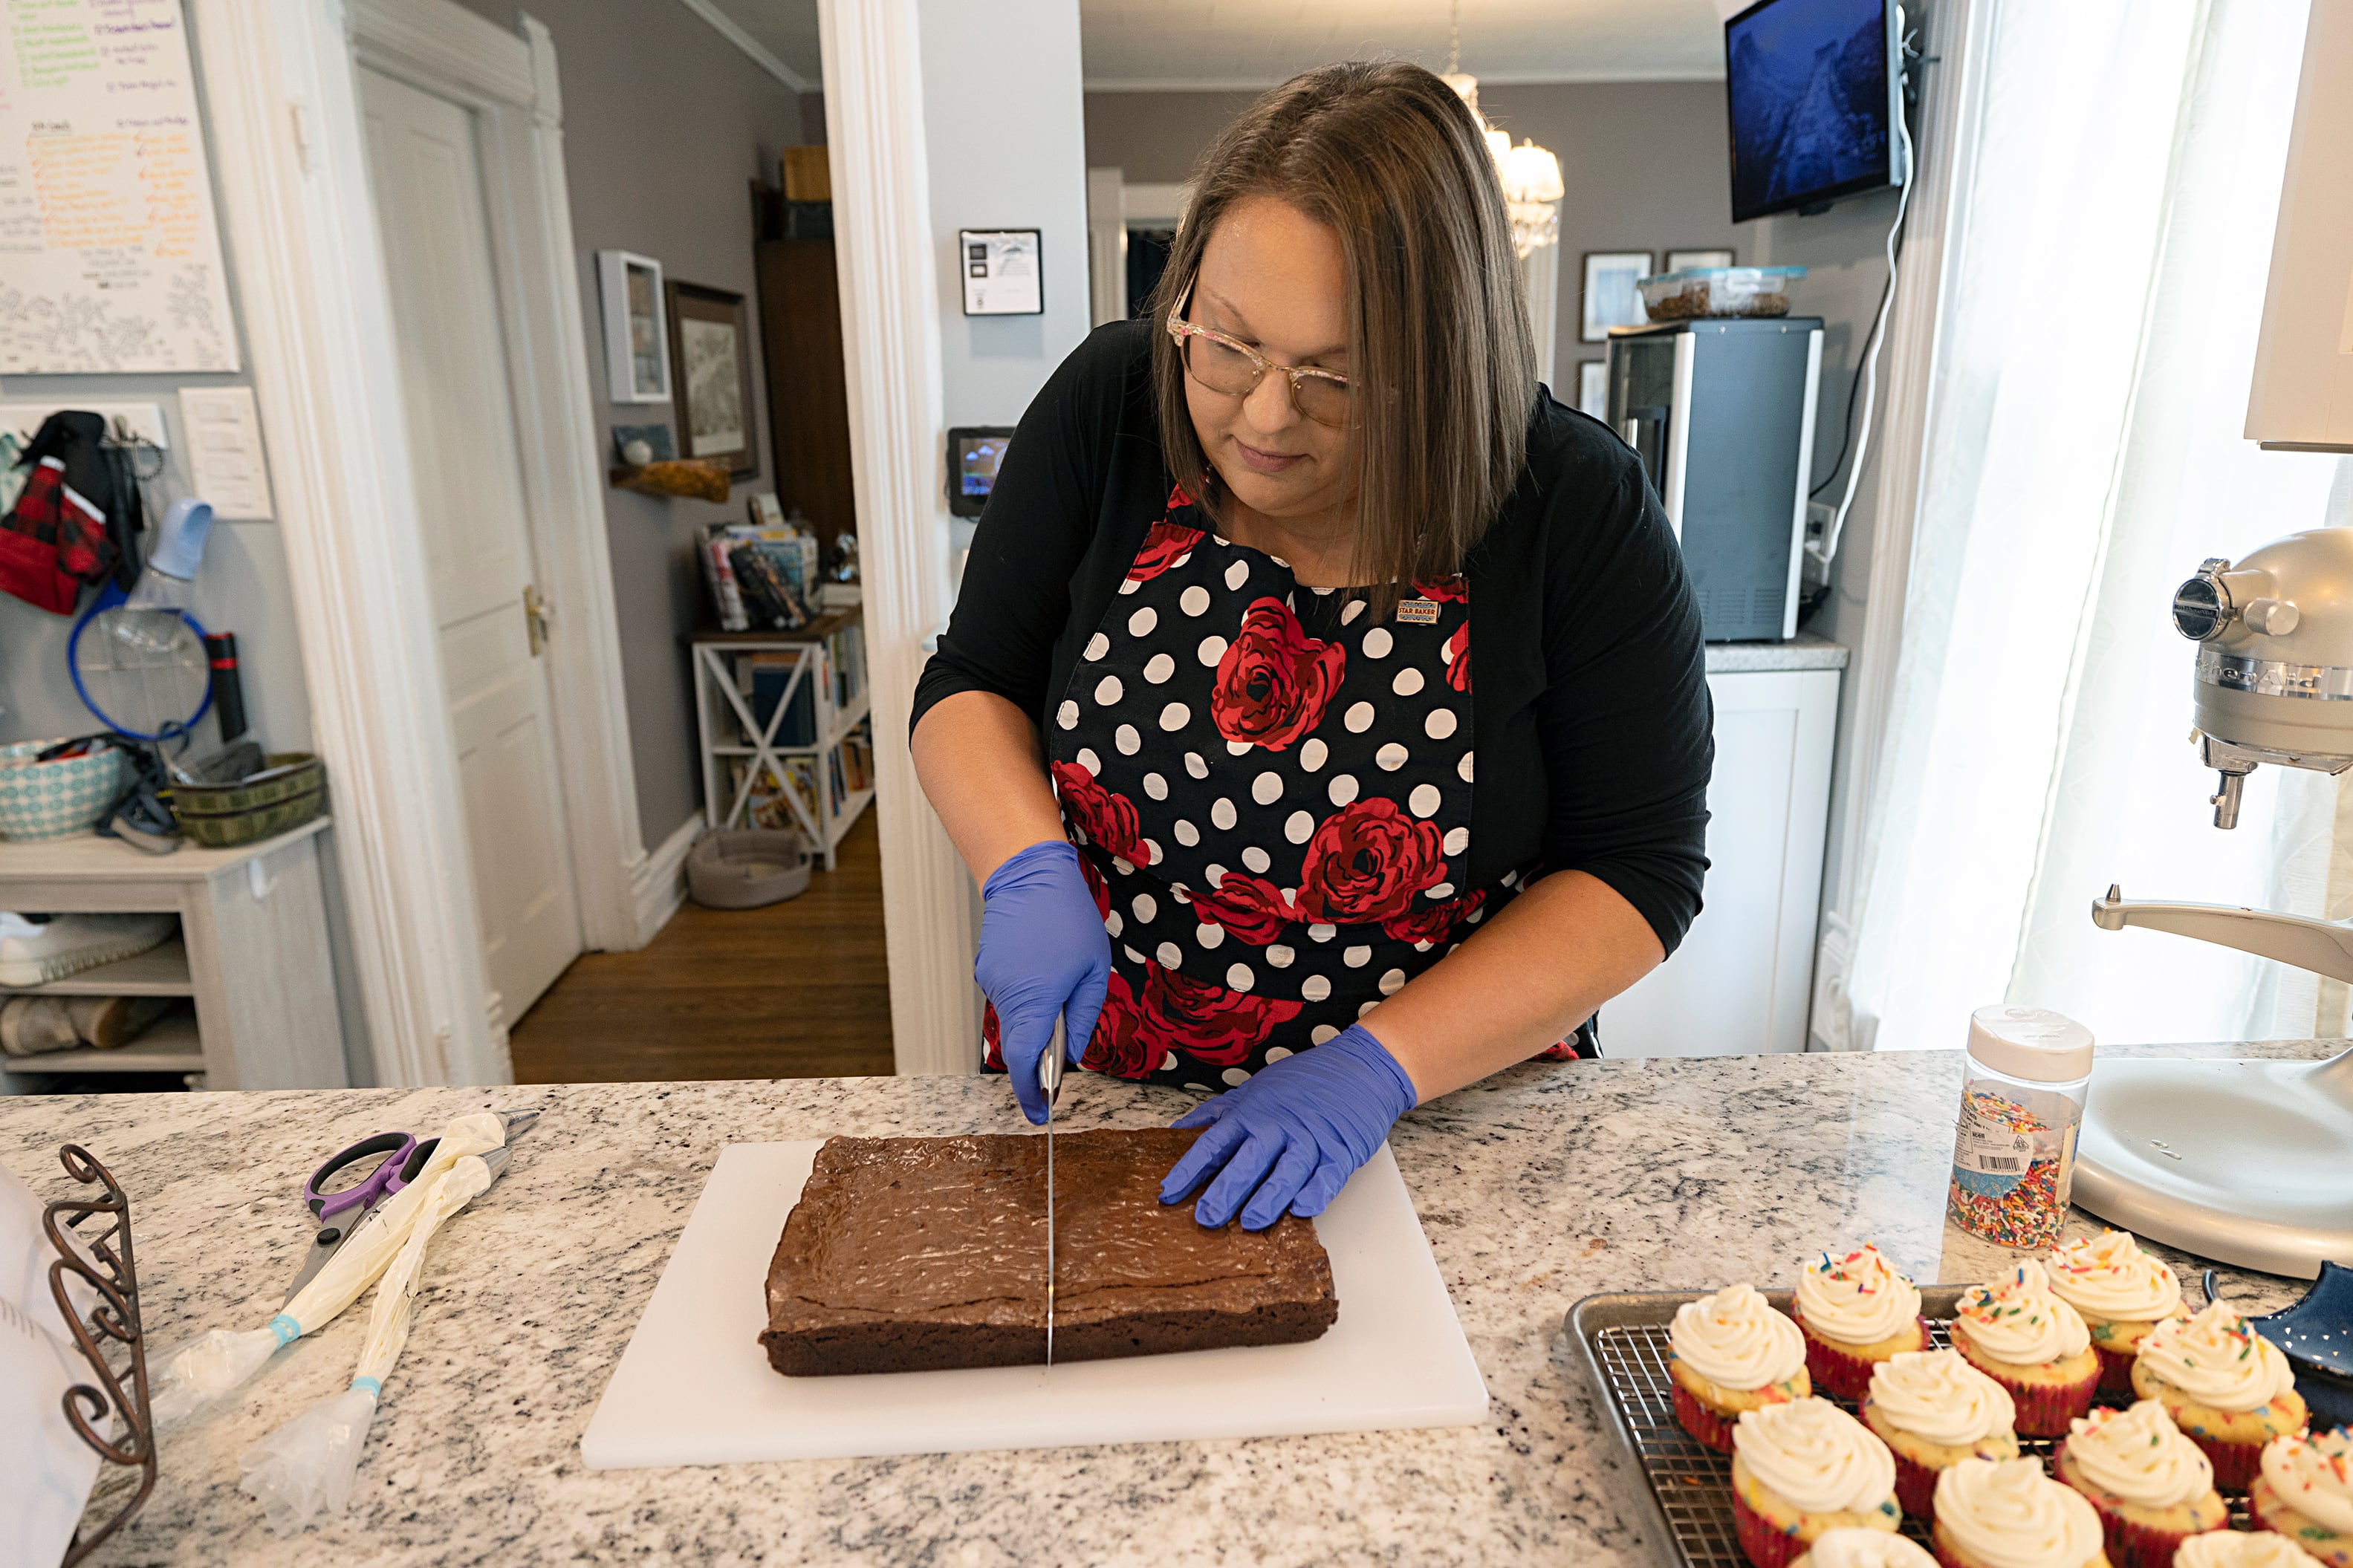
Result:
[1290,1137]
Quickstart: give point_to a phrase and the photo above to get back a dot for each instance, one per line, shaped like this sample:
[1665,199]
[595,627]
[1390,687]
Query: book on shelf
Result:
[762,679]
[772,588]
[765,805]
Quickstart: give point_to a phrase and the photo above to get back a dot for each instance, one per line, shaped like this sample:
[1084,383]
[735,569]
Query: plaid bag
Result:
[71,524]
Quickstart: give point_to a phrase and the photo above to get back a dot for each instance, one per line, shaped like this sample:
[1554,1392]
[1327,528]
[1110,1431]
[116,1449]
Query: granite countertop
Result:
[1804,651]
[1544,1185]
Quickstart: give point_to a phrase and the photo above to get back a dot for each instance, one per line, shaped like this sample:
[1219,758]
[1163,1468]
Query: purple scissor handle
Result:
[336,1210]
[393,1148]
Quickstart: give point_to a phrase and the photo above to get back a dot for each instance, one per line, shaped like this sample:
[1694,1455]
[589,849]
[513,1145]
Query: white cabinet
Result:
[1741,981]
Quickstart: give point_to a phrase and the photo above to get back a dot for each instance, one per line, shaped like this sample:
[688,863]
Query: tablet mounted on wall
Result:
[974,451]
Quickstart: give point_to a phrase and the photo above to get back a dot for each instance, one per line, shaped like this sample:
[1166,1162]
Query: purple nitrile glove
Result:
[1043,955]
[1294,1134]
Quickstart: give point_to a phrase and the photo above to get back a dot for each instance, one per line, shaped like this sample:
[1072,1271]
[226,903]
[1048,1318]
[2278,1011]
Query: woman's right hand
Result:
[1043,955]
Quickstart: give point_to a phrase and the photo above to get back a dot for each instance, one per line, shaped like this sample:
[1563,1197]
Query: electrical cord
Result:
[1829,550]
[1854,386]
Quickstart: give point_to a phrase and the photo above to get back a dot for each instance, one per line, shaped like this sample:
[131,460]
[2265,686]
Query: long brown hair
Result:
[1440,351]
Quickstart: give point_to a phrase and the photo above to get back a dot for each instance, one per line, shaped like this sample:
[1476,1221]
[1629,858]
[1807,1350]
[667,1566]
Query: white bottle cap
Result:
[2032,1043]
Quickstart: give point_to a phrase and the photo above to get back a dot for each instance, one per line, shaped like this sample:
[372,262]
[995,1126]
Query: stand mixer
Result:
[2248,1162]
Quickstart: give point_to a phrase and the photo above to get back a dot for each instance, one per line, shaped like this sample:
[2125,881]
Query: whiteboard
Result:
[109,258]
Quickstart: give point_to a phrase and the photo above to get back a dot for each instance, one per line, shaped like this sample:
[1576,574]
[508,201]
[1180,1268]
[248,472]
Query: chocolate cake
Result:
[918,1254]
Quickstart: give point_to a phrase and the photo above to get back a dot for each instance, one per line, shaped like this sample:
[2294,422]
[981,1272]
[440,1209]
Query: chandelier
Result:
[1529,174]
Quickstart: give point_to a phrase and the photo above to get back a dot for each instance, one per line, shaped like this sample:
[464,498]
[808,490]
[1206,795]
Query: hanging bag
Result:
[71,524]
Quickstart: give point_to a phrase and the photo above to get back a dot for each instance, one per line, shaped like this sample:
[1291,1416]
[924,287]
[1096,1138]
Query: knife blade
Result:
[1049,1081]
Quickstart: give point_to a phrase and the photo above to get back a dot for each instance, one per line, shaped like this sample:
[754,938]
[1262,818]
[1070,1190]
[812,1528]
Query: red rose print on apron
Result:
[1270,792]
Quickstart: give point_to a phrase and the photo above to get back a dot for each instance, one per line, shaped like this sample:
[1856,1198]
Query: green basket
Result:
[228,816]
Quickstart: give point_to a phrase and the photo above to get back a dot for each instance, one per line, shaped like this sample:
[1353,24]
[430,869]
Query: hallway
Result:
[799,989]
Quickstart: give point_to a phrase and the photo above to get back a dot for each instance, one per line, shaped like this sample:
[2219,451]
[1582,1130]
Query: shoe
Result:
[108,1023]
[35,956]
[31,1026]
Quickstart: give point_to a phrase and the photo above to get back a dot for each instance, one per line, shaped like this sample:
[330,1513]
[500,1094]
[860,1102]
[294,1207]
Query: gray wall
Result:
[664,122]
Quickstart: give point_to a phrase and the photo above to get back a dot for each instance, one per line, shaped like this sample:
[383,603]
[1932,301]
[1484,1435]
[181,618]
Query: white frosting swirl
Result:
[1815,1457]
[2217,1358]
[2140,1455]
[1857,1300]
[2020,1321]
[2108,1279]
[1735,1340]
[2314,1475]
[2010,1515]
[1938,1396]
[1852,1548]
[2232,1548]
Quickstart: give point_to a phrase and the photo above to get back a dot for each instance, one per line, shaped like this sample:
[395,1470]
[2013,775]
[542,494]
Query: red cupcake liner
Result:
[1767,1546]
[1713,1430]
[2134,1545]
[2236,1464]
[1842,1373]
[1915,1489]
[2045,1408]
[2116,1374]
[1945,1558]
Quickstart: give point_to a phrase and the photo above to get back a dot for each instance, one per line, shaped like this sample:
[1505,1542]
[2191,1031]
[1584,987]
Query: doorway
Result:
[487,610]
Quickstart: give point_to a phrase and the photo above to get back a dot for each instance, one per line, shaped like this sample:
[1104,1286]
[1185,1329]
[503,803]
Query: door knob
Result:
[534,618]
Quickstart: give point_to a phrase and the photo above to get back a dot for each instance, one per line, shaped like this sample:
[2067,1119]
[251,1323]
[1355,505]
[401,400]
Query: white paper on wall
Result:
[109,259]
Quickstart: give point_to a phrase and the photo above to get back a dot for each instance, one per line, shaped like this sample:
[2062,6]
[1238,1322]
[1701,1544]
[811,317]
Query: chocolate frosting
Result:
[953,1230]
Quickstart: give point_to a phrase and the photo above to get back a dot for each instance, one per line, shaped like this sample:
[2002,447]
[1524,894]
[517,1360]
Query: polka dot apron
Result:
[1270,797]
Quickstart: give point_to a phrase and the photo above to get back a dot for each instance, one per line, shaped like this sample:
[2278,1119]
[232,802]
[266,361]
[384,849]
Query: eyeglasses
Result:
[1230,366]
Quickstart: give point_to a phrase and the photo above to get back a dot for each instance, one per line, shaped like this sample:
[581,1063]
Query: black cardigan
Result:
[1591,724]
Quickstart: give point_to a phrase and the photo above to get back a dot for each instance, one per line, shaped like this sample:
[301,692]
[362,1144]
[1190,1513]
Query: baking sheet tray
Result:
[1676,1491]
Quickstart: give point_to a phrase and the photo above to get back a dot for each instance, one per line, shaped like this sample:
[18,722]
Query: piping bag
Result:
[309,1464]
[199,1375]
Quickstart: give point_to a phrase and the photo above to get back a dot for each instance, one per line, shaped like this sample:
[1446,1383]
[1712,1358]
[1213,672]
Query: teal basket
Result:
[56,799]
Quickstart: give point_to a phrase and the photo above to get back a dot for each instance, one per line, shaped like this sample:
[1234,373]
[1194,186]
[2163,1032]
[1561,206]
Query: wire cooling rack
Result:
[1685,1498]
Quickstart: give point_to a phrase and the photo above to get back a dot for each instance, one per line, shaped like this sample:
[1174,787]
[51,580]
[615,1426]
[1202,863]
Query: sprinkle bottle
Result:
[2027,1071]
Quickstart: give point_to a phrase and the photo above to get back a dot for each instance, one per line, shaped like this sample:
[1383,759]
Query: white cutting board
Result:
[695,1388]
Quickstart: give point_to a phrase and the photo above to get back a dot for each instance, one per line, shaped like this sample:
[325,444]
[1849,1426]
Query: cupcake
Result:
[2225,1385]
[1856,1312]
[2229,1549]
[1933,1410]
[2304,1491]
[2152,1488]
[1862,1549]
[1802,1469]
[2033,1344]
[2120,1293]
[2010,1515]
[1731,1352]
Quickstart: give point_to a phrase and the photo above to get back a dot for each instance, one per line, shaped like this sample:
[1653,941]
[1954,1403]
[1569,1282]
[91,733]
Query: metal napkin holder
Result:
[92,1407]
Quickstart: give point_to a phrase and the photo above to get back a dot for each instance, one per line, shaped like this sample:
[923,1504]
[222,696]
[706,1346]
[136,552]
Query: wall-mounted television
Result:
[1814,88]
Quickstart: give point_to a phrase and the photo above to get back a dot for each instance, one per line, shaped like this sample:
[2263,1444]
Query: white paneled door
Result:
[427,180]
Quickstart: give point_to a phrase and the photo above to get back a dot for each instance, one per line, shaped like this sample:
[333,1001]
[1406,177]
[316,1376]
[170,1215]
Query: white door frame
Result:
[891,340]
[292,158]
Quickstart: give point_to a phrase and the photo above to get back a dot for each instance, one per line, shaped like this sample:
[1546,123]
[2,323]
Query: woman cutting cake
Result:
[1323,712]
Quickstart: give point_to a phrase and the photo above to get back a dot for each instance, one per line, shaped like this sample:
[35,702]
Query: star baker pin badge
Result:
[1418,612]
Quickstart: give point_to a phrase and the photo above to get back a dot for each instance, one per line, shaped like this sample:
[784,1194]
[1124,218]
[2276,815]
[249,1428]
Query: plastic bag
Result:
[309,1464]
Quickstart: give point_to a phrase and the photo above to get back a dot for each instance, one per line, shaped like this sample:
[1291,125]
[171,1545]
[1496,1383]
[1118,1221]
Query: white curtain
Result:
[2084,454]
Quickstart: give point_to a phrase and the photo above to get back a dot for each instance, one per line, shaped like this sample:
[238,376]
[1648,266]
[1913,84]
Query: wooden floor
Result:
[799,989]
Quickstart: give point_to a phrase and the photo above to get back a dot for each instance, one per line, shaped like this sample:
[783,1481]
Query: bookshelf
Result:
[785,723]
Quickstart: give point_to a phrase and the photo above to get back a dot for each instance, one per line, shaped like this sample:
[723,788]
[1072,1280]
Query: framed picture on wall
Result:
[636,337]
[1593,387]
[711,347]
[1686,260]
[1610,299]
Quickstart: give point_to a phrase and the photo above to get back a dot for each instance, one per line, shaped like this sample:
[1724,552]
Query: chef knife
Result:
[1050,1079]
